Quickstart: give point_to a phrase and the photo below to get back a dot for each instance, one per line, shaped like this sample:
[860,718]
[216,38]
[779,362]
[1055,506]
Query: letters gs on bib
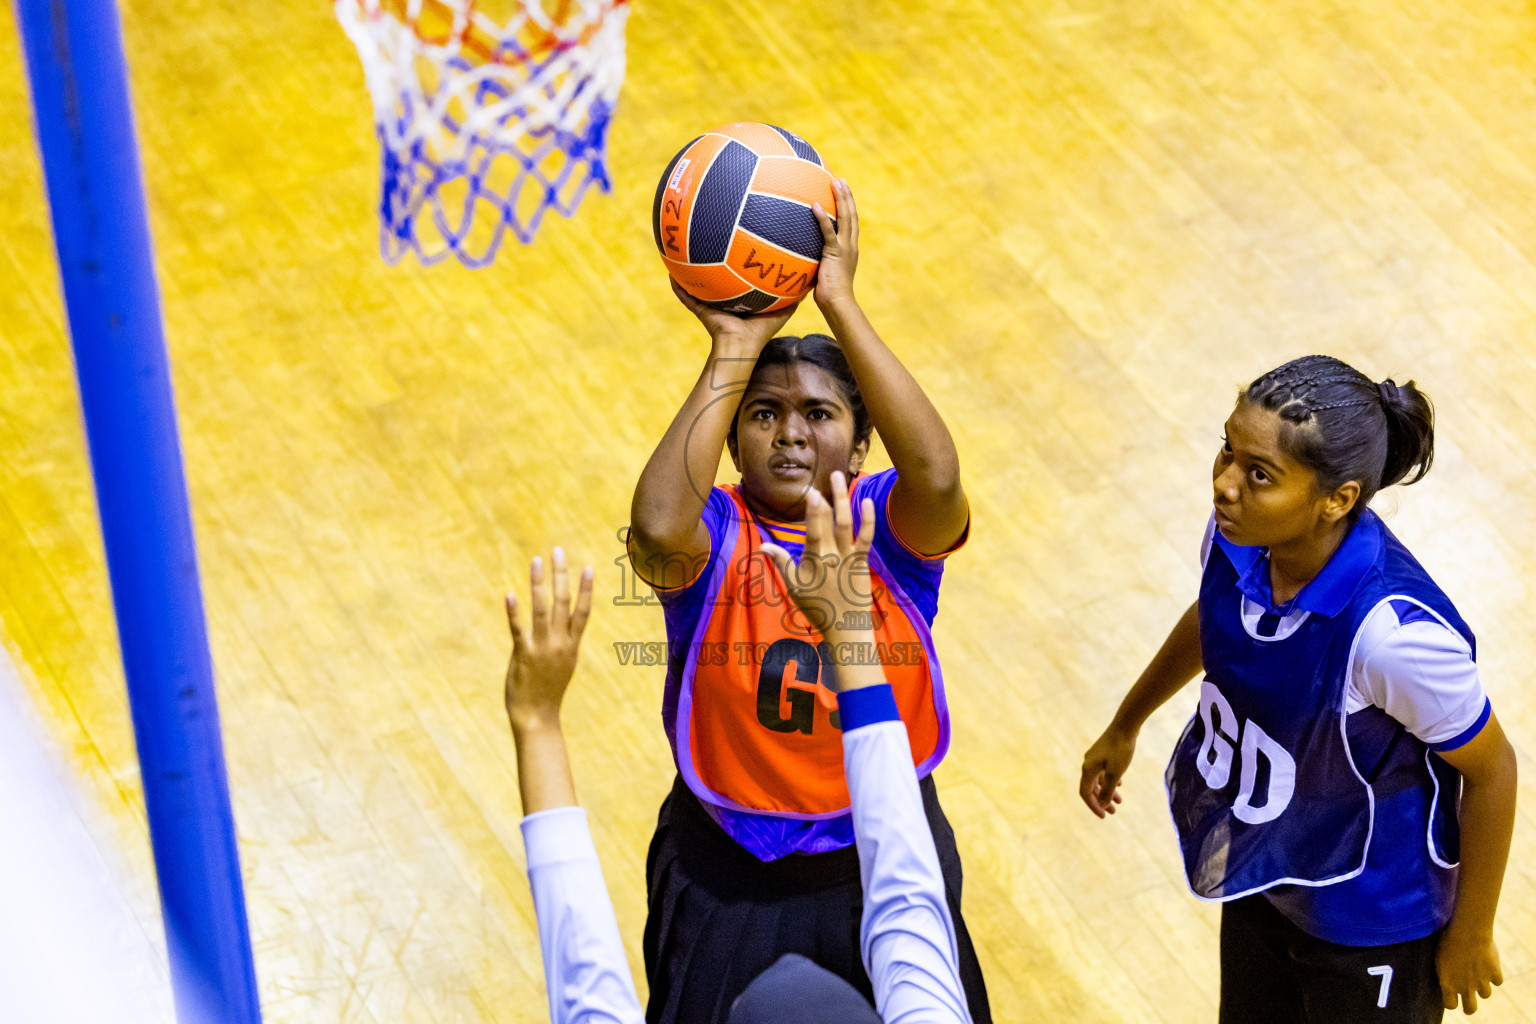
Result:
[783,705]
[789,705]
[1266,772]
[774,691]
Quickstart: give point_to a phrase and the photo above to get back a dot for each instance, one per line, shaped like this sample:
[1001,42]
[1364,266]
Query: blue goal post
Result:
[85,131]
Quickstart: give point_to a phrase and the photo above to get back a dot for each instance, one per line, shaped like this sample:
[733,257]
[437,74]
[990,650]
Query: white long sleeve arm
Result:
[907,936]
[584,967]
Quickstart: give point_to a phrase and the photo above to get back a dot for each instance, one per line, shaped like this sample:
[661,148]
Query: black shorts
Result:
[718,916]
[1272,972]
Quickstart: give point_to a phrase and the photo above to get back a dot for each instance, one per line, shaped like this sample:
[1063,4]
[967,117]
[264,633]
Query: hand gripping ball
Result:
[733,217]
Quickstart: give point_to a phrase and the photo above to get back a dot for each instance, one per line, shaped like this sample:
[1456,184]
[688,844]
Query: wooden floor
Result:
[1086,223]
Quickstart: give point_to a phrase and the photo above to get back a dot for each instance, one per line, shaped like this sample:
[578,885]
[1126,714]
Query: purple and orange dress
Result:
[753,855]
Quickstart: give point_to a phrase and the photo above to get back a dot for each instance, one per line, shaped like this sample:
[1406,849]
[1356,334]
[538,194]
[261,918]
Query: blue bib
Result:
[1349,821]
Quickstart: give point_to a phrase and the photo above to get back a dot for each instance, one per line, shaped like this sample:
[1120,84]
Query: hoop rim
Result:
[466,35]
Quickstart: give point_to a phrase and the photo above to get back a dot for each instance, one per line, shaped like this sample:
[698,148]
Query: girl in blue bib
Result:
[1343,787]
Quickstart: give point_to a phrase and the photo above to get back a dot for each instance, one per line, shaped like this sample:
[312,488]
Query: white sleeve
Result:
[907,936]
[1207,541]
[585,971]
[1420,672]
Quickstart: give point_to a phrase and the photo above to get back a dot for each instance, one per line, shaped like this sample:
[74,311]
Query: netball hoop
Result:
[484,127]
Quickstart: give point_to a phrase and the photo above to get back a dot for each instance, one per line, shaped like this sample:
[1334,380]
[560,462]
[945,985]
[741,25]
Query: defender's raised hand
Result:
[544,659]
[831,582]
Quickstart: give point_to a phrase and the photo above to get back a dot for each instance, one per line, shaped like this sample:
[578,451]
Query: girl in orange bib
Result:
[753,855]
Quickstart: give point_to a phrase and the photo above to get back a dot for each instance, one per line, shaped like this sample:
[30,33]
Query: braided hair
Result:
[1343,426]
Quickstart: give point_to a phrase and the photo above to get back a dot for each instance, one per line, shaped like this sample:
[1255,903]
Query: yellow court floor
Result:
[1086,222]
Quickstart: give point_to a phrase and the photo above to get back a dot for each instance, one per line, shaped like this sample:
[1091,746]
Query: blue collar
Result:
[1330,590]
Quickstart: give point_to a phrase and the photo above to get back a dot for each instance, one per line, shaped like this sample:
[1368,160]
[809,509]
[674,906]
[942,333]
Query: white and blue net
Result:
[485,127]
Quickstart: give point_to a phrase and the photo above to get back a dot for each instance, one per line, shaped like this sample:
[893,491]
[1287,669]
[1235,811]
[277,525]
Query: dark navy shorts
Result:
[1272,972]
[719,917]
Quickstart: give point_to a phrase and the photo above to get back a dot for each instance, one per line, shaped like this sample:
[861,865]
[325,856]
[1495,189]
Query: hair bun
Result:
[1329,425]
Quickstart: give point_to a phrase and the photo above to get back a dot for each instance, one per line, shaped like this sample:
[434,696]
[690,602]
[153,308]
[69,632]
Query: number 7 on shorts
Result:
[1385,973]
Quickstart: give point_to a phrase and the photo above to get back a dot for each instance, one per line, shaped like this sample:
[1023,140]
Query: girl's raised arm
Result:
[665,515]
[928,508]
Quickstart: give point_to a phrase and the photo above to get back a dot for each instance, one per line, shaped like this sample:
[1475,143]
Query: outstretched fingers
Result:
[518,640]
[847,214]
[561,612]
[866,526]
[538,596]
[842,515]
[578,624]
[818,524]
[782,561]
[554,618]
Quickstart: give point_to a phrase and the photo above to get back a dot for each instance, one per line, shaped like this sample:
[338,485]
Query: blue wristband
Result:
[867,705]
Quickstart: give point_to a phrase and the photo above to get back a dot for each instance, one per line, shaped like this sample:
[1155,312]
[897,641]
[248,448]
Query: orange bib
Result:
[757,729]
